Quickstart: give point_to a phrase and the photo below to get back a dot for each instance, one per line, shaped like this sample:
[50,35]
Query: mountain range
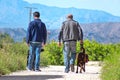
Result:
[100,32]
[98,25]
[14,14]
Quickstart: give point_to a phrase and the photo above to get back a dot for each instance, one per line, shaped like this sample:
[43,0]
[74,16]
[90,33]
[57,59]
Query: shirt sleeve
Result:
[60,36]
[28,36]
[44,34]
[80,32]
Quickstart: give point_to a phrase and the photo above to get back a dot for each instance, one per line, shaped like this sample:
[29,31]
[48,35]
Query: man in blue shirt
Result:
[36,38]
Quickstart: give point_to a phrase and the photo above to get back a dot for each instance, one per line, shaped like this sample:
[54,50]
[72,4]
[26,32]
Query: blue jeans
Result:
[69,51]
[35,49]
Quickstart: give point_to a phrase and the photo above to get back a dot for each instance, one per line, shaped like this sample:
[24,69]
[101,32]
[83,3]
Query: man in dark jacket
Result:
[36,38]
[70,33]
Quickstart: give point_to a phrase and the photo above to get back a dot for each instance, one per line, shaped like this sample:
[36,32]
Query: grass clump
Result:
[111,67]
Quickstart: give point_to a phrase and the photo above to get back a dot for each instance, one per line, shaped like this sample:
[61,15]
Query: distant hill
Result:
[101,32]
[98,25]
[17,34]
[13,14]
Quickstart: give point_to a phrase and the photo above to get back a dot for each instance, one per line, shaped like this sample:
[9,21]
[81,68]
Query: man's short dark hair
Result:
[36,14]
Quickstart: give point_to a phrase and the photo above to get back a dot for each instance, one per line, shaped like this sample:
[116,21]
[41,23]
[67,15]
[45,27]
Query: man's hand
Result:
[43,44]
[59,44]
[81,41]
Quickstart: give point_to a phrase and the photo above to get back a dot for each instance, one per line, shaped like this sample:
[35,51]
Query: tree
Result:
[5,38]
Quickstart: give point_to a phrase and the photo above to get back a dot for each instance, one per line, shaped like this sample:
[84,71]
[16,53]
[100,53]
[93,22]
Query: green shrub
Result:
[111,67]
[11,62]
[96,51]
[53,54]
[5,38]
[44,61]
[3,68]
[13,57]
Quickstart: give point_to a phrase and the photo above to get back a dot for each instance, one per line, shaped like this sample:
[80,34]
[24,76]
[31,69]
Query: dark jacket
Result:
[36,32]
[70,31]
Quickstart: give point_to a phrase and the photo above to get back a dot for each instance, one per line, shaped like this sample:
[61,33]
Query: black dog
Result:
[82,58]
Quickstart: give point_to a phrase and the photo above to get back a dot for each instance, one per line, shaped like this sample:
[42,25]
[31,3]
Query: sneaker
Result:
[66,71]
[28,69]
[38,70]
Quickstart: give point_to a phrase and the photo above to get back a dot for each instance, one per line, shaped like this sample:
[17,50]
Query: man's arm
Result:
[44,34]
[60,36]
[28,36]
[80,34]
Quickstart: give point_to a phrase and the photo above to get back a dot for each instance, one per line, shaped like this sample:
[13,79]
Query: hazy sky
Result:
[111,6]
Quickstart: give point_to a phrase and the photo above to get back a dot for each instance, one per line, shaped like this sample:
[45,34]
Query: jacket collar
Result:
[37,19]
[69,19]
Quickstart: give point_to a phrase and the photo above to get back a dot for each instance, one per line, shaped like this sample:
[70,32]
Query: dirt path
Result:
[57,73]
